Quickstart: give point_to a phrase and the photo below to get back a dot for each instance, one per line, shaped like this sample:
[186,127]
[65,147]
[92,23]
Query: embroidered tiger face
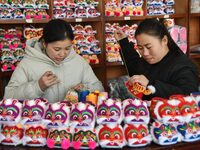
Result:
[57,114]
[109,111]
[167,111]
[82,115]
[135,111]
[164,134]
[189,109]
[189,131]
[35,135]
[58,136]
[137,135]
[10,110]
[86,137]
[33,110]
[12,134]
[110,136]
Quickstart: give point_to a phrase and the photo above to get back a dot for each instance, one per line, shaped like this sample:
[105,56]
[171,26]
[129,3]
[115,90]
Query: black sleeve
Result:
[183,81]
[131,58]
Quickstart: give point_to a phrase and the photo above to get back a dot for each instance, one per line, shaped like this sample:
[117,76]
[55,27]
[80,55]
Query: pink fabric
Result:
[50,143]
[92,144]
[174,33]
[77,145]
[65,144]
[4,67]
[183,47]
[183,34]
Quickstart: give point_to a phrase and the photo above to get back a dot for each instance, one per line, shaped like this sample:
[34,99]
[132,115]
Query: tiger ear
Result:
[14,101]
[76,130]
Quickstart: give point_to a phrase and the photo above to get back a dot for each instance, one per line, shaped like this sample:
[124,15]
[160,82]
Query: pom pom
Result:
[77,145]
[10,46]
[28,16]
[39,17]
[4,67]
[15,45]
[50,143]
[6,36]
[65,144]
[1,46]
[92,144]
[12,67]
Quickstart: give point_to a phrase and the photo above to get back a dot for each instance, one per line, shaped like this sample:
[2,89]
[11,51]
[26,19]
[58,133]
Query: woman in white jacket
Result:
[51,67]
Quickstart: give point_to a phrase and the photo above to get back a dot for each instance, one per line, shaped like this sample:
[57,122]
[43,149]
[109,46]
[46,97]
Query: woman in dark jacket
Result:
[162,67]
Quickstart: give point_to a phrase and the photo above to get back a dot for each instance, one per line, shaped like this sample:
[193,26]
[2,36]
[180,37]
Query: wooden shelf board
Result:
[144,17]
[194,14]
[194,55]
[23,21]
[83,19]
[124,18]
[96,65]
[168,16]
[114,64]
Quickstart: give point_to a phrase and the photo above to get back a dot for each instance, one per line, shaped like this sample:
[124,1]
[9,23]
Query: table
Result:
[179,146]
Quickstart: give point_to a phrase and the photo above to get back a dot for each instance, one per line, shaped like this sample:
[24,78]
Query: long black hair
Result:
[156,28]
[57,30]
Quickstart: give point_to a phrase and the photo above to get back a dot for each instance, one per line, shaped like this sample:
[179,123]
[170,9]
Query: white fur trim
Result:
[151,88]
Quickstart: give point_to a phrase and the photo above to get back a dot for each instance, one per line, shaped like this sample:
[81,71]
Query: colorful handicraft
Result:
[110,136]
[10,111]
[137,135]
[35,135]
[163,134]
[33,110]
[59,137]
[167,111]
[135,111]
[85,138]
[188,107]
[189,132]
[11,134]
[57,114]
[137,90]
[197,98]
[72,96]
[82,115]
[109,111]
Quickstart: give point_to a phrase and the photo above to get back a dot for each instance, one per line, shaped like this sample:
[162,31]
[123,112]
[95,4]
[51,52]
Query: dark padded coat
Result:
[174,74]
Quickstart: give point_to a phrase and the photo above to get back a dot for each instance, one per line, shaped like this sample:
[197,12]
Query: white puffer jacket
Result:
[72,71]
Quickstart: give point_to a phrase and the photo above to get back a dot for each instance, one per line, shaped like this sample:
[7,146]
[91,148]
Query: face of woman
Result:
[151,48]
[59,50]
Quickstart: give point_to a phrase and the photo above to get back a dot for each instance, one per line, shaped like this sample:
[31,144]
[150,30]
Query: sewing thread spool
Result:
[82,95]
[92,98]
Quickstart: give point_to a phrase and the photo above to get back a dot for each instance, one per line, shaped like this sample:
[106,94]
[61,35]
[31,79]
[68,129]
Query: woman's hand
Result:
[141,79]
[119,35]
[48,79]
[78,87]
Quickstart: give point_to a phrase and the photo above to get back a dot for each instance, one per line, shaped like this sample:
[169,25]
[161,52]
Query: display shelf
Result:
[195,55]
[194,14]
[178,146]
[110,64]
[23,21]
[181,15]
[105,70]
[77,20]
[124,18]
[194,34]
[96,65]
